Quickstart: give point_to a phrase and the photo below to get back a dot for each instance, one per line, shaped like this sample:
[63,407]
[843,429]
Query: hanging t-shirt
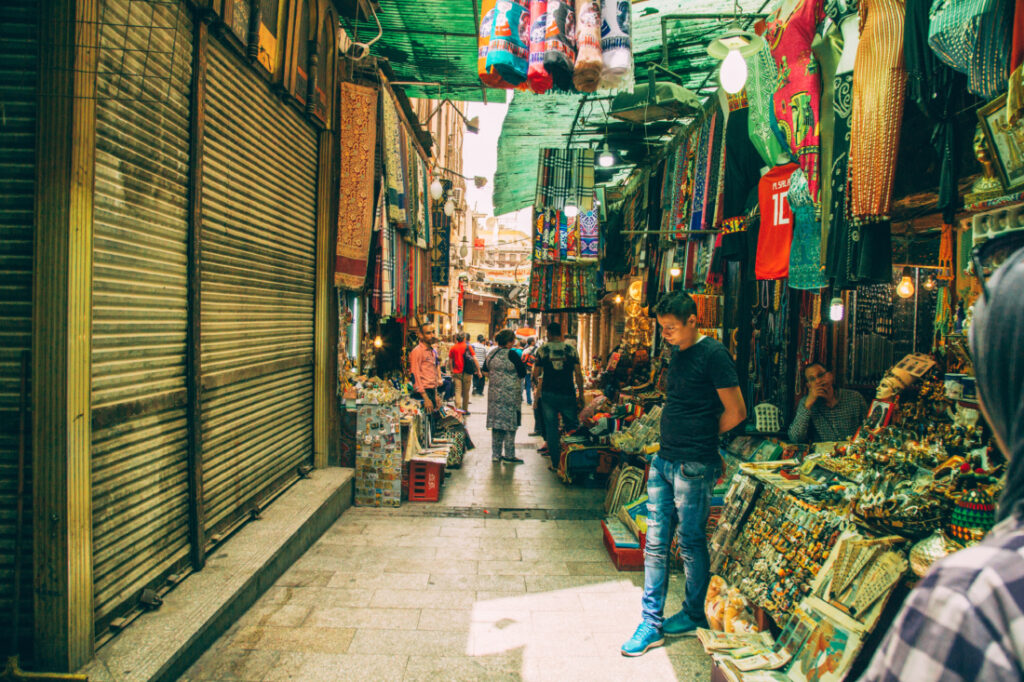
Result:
[776,235]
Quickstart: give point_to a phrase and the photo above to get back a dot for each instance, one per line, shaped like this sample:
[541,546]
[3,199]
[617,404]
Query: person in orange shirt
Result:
[425,368]
[464,364]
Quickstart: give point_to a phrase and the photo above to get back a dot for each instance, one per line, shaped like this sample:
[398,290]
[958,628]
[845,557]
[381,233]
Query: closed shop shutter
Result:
[139,446]
[258,266]
[18,78]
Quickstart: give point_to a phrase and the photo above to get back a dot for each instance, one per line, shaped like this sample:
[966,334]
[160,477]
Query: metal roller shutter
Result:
[139,460]
[18,77]
[258,267]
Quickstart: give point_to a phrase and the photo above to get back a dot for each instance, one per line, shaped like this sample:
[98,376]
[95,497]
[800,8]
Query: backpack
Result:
[469,364]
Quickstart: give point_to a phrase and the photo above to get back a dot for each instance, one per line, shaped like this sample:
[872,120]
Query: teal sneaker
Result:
[645,638]
[682,625]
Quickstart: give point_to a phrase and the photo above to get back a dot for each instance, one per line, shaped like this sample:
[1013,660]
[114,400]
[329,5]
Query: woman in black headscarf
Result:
[965,619]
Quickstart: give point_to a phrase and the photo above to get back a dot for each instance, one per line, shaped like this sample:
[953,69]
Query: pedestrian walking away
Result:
[702,400]
[464,366]
[504,397]
[480,349]
[558,378]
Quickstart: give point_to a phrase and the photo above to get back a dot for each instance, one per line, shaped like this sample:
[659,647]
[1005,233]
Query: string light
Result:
[377,341]
[675,271]
[618,298]
[836,310]
[905,289]
[571,211]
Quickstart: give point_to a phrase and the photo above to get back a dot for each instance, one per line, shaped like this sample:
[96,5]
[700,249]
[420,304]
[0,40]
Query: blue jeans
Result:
[552,405]
[529,389]
[678,494]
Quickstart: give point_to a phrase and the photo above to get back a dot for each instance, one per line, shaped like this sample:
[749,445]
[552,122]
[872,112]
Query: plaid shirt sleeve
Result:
[964,621]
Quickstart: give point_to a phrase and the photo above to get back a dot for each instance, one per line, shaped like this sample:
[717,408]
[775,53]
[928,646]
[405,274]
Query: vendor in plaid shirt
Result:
[965,619]
[833,414]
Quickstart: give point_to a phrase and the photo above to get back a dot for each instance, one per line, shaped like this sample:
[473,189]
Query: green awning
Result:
[538,121]
[429,41]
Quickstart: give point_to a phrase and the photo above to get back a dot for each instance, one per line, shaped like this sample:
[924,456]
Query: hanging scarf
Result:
[488,76]
[387,269]
[509,49]
[394,180]
[616,43]
[590,235]
[560,43]
[700,184]
[540,79]
[587,71]
[355,187]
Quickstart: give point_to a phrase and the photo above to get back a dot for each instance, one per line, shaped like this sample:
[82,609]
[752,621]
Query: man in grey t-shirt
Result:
[481,351]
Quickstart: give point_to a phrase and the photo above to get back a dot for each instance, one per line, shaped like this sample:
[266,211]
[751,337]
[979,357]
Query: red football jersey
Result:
[776,233]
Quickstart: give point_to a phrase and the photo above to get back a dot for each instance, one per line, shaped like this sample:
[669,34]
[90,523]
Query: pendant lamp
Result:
[733,48]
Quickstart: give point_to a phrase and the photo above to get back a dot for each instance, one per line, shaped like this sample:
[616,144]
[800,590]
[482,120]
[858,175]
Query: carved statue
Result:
[988,184]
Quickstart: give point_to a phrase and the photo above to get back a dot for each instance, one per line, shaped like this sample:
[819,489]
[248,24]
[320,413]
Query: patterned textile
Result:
[879,90]
[760,94]
[394,176]
[616,43]
[703,167]
[554,179]
[387,269]
[355,186]
[560,43]
[805,252]
[590,236]
[488,76]
[508,52]
[1015,91]
[975,38]
[540,79]
[442,243]
[582,180]
[797,102]
[962,620]
[587,72]
[563,287]
[504,392]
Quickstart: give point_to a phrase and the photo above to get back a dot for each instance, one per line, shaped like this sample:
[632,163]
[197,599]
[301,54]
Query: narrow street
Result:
[447,591]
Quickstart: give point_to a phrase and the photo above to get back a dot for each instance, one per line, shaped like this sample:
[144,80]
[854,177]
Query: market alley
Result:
[505,579]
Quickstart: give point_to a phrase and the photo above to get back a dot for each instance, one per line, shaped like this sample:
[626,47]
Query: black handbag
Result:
[469,365]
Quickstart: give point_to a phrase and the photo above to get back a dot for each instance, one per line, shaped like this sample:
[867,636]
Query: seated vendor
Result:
[831,414]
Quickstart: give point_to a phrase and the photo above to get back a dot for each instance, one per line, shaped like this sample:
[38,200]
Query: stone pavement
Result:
[505,579]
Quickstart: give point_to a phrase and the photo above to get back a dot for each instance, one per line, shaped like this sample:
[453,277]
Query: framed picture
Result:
[879,414]
[1005,141]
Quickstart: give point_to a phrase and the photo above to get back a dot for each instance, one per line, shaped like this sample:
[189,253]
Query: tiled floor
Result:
[447,592]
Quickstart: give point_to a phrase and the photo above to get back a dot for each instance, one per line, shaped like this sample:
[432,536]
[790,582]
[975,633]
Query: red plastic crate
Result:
[624,558]
[425,477]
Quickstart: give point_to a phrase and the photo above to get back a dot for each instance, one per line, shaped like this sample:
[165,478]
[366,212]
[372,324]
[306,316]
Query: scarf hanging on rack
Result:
[590,236]
[703,166]
[440,260]
[587,71]
[355,185]
[683,188]
[508,51]
[616,43]
[387,269]
[553,179]
[536,74]
[394,177]
[560,43]
[426,234]
[581,180]
[376,257]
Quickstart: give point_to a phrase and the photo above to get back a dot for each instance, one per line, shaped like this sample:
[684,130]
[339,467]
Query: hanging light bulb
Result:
[733,74]
[605,159]
[675,271]
[377,341]
[905,289]
[929,282]
[571,211]
[618,298]
[449,208]
[436,190]
[835,309]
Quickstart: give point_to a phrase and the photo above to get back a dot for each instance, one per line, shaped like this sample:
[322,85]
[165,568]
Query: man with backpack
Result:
[558,378]
[481,351]
[464,365]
